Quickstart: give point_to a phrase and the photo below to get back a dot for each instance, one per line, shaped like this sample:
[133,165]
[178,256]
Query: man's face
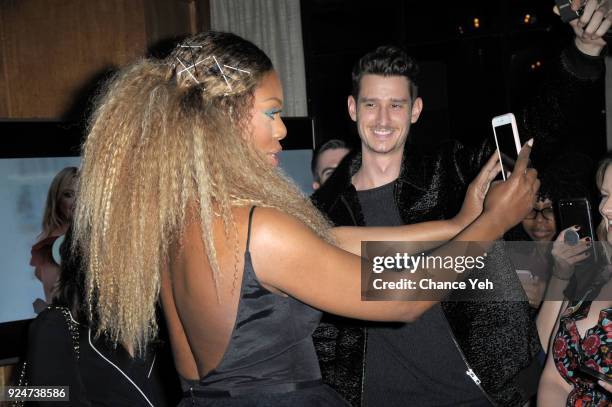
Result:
[384,112]
[327,162]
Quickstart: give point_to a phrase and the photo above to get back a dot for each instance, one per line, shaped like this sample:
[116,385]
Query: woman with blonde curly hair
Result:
[179,154]
[57,218]
[578,369]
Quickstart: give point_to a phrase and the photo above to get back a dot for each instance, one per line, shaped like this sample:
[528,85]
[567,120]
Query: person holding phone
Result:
[540,226]
[566,177]
[394,182]
[241,260]
[578,369]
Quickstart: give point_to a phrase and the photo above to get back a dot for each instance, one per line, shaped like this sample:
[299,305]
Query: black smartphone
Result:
[565,9]
[594,374]
[567,15]
[577,211]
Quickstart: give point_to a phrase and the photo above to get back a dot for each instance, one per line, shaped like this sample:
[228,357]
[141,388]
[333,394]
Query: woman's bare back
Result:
[199,325]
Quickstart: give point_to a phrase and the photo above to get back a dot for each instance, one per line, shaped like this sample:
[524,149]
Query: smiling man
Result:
[457,353]
[388,187]
[384,107]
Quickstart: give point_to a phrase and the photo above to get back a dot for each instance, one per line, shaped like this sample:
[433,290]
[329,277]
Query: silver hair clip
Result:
[217,64]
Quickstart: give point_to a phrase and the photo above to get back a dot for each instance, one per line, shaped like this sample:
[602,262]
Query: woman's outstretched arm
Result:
[288,256]
[349,238]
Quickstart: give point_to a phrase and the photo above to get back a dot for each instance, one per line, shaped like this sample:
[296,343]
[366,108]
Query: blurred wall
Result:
[52,51]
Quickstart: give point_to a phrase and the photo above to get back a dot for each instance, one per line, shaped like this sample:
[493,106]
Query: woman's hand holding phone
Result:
[510,201]
[477,191]
[566,256]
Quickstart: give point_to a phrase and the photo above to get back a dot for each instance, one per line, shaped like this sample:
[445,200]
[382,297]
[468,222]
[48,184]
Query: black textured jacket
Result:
[431,186]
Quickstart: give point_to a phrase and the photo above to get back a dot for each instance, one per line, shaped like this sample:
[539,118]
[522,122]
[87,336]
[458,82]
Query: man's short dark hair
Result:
[332,144]
[386,60]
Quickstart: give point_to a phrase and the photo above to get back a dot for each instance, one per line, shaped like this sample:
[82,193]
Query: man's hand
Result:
[477,191]
[590,28]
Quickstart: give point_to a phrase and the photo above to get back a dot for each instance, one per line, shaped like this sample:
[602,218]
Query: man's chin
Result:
[382,148]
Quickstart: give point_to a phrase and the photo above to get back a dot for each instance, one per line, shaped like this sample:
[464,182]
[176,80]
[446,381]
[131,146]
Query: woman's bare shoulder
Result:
[274,223]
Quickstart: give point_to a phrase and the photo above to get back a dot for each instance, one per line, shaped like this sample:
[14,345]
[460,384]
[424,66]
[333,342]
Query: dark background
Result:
[52,59]
[468,74]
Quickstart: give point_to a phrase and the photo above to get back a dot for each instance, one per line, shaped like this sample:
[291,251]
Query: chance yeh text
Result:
[429,284]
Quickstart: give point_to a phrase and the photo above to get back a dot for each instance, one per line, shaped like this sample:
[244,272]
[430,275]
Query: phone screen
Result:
[576,212]
[507,148]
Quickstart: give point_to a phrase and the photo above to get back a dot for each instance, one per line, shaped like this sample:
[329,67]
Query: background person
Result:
[57,218]
[325,159]
[63,352]
[582,325]
[564,179]
[540,226]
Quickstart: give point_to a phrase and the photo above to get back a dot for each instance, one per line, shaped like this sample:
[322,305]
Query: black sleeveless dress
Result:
[270,359]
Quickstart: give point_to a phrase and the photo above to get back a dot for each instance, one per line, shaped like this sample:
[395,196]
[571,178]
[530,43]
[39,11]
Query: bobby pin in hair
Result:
[218,66]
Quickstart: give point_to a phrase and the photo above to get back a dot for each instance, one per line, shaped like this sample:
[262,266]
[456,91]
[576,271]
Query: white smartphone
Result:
[507,141]
[524,274]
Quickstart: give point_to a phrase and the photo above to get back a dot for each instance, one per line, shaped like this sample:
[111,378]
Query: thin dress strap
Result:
[248,242]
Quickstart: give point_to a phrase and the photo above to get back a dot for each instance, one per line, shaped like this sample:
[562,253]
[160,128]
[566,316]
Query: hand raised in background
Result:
[590,28]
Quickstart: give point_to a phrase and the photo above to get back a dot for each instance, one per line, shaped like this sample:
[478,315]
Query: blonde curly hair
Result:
[165,137]
[602,228]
